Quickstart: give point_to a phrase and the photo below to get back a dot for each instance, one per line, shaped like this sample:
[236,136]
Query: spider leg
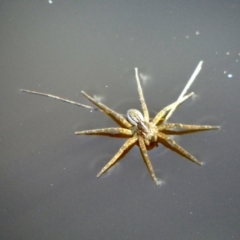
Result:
[146,159]
[108,131]
[189,83]
[130,142]
[141,98]
[176,126]
[58,98]
[178,148]
[161,114]
[114,115]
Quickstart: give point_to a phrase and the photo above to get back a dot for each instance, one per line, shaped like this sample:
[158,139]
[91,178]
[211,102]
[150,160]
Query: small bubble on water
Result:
[230,75]
[50,1]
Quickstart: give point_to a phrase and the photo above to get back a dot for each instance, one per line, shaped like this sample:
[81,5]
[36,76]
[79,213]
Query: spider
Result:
[139,128]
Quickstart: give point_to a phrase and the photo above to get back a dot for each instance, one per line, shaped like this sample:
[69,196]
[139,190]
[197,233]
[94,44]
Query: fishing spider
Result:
[140,129]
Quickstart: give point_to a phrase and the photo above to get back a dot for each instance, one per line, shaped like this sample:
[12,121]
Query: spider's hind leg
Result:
[178,148]
[177,126]
[129,143]
[143,149]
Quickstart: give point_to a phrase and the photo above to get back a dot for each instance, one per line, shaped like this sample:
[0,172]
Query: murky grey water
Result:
[48,184]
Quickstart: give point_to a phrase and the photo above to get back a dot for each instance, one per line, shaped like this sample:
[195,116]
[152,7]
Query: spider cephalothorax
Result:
[147,129]
[139,128]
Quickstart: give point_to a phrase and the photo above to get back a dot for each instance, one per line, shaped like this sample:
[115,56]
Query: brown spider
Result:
[140,129]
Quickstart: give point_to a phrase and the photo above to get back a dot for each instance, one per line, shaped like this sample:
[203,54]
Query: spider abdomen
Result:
[134,116]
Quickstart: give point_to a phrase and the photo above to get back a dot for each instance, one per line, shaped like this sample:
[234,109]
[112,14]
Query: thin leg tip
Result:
[158,182]
[214,127]
[199,163]
[196,161]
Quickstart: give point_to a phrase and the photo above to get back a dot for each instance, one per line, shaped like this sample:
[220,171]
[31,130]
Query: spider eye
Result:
[134,116]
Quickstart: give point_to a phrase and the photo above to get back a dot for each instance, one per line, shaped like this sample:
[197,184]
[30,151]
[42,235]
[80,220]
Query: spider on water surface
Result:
[142,130]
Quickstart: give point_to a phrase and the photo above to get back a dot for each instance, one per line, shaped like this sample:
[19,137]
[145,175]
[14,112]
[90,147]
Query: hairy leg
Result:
[114,115]
[189,83]
[161,114]
[59,98]
[176,126]
[141,98]
[146,159]
[108,131]
[130,142]
[178,148]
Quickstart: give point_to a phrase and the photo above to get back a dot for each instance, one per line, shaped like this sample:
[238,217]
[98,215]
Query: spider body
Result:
[147,129]
[139,128]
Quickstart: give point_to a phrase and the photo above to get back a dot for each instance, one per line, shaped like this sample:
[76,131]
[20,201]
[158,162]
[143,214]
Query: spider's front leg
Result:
[114,115]
[107,131]
[141,97]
